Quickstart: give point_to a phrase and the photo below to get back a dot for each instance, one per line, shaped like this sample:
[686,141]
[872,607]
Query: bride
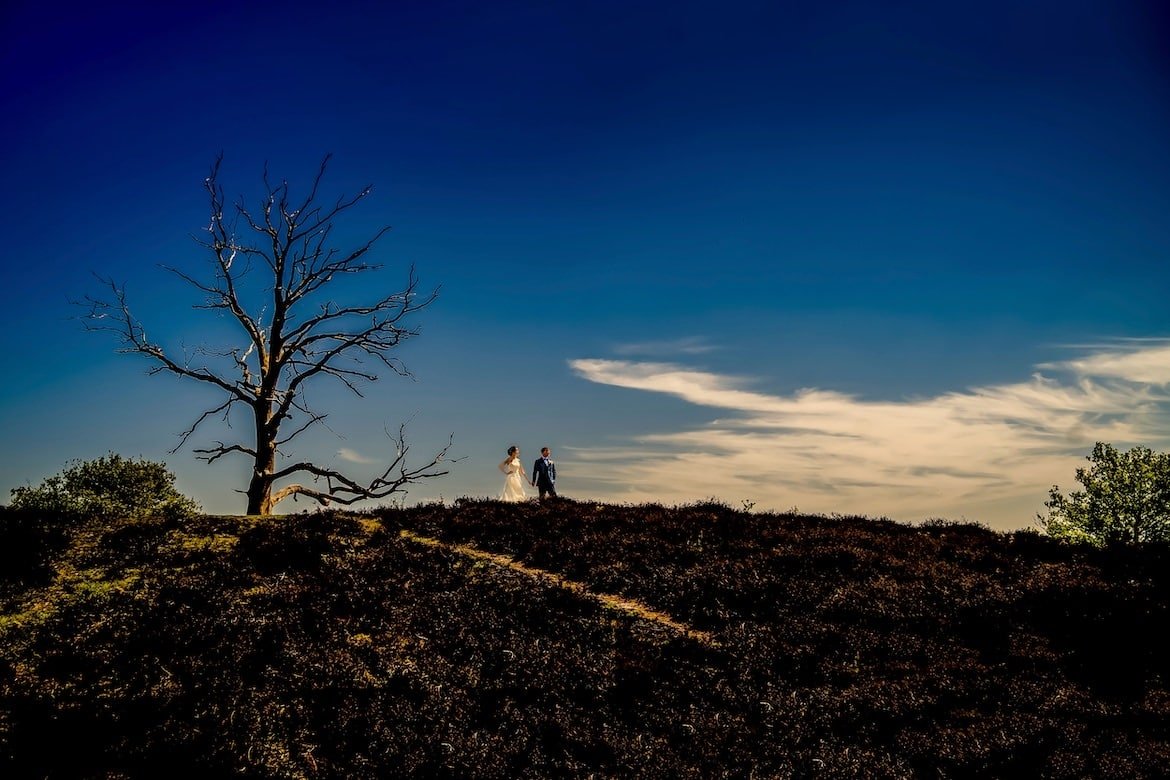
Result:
[514,477]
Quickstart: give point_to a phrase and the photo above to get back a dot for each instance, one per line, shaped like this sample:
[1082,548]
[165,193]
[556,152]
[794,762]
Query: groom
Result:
[544,474]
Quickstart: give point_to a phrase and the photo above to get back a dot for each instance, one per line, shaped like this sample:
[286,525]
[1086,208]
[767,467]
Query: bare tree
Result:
[294,338]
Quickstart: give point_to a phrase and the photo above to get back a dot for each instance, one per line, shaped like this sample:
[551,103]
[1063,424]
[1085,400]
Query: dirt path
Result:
[629,607]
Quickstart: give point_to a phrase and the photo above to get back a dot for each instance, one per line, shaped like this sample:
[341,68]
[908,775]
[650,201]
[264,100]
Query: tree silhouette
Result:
[297,336]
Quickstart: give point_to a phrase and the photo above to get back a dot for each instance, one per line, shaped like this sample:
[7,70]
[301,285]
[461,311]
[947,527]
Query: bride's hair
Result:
[512,450]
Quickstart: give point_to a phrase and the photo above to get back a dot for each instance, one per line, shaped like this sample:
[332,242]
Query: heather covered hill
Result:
[391,644]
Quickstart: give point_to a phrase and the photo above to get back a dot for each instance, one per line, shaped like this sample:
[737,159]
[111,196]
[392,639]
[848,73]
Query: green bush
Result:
[111,487]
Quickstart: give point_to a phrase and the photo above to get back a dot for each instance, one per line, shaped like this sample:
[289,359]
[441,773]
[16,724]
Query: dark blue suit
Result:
[544,474]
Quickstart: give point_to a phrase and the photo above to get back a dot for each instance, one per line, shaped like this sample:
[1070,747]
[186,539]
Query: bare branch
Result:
[313,420]
[343,490]
[391,309]
[322,219]
[225,407]
[212,454]
[316,184]
[115,317]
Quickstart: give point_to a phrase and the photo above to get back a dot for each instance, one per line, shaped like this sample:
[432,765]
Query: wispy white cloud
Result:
[351,456]
[987,453]
[691,345]
[1149,363]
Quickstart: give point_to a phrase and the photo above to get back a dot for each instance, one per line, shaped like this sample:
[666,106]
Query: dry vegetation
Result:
[327,645]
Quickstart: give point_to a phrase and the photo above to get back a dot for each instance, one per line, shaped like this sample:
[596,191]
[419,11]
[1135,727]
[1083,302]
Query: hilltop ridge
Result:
[475,640]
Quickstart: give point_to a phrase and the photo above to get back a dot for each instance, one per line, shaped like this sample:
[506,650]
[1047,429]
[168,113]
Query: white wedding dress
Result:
[513,481]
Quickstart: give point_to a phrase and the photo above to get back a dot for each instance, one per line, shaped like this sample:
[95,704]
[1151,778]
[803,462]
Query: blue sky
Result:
[903,259]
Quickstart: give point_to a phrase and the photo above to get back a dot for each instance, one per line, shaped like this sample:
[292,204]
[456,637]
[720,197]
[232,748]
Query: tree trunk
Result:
[260,487]
[260,492]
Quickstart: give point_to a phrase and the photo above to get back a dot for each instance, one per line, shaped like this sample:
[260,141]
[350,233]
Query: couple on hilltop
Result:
[544,475]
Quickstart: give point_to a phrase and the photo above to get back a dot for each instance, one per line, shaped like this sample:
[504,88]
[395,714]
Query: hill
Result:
[575,640]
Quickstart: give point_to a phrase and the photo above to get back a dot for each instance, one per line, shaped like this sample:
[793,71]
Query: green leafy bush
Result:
[110,487]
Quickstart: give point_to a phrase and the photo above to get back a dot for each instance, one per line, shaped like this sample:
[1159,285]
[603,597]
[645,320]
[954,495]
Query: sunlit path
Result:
[630,607]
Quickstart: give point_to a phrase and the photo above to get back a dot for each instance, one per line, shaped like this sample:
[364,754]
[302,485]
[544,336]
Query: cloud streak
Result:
[987,454]
[1149,364]
[691,345]
[352,456]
